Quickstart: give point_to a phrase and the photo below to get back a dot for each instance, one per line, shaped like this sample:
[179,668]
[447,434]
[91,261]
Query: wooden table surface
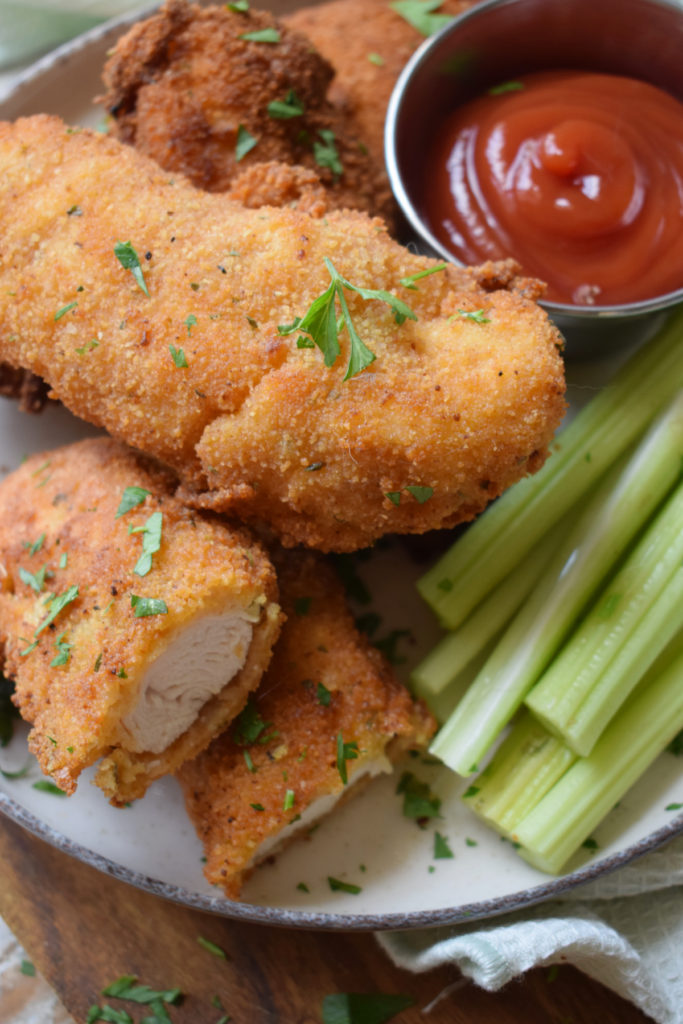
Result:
[83,930]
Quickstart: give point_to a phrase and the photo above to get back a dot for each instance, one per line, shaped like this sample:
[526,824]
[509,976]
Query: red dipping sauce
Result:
[577,175]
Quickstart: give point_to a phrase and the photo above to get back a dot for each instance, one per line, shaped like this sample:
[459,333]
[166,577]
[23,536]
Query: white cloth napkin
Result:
[625,930]
[25,998]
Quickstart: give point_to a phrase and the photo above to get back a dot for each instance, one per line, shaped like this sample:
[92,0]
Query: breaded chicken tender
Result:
[328,715]
[207,92]
[133,627]
[368,42]
[169,316]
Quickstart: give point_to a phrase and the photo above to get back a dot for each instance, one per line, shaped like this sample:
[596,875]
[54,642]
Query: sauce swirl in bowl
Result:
[579,175]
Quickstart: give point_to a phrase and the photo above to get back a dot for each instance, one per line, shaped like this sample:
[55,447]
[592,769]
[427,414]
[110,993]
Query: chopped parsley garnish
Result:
[419,14]
[418,800]
[126,987]
[28,969]
[376,59]
[302,605]
[63,651]
[257,807]
[64,310]
[478,316]
[446,585]
[111,1016]
[362,1007]
[249,763]
[289,800]
[471,842]
[211,947]
[132,497]
[320,321]
[262,35]
[190,322]
[249,725]
[74,211]
[151,542]
[98,662]
[338,886]
[56,606]
[36,581]
[63,559]
[470,792]
[326,153]
[420,493]
[302,887]
[590,844]
[88,347]
[178,357]
[245,142]
[323,695]
[345,752]
[45,786]
[504,87]
[409,282]
[145,606]
[283,110]
[128,258]
[394,497]
[239,6]
[34,548]
[442,850]
[673,807]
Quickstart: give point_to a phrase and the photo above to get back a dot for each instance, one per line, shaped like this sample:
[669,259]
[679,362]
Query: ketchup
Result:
[577,175]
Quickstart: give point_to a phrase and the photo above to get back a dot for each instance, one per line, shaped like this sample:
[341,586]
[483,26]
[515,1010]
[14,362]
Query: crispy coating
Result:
[256,425]
[59,530]
[325,680]
[368,43]
[182,83]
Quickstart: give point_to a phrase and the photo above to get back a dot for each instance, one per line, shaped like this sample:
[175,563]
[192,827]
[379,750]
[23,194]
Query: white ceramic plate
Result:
[367,842]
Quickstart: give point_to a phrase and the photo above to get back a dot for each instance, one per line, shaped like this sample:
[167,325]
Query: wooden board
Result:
[83,930]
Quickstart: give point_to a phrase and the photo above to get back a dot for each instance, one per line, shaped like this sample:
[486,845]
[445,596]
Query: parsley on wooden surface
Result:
[363,1008]
[211,947]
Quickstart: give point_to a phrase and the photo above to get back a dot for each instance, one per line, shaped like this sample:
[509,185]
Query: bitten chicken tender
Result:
[197,370]
[328,715]
[368,43]
[133,636]
[187,88]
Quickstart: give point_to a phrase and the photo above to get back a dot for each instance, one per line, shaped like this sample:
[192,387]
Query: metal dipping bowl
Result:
[495,42]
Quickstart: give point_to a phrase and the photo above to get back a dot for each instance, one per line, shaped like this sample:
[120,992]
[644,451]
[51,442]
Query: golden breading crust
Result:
[258,423]
[60,535]
[368,43]
[325,681]
[182,83]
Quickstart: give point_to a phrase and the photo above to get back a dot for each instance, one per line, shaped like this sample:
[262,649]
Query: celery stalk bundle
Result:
[579,622]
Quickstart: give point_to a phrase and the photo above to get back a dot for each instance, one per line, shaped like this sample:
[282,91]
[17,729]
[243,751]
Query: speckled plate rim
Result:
[255,914]
[278,916]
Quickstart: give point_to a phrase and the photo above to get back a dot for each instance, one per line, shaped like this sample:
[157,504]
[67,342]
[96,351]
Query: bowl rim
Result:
[627,310]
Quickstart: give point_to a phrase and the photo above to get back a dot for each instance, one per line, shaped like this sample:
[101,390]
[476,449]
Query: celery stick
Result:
[457,650]
[614,616]
[598,435]
[606,526]
[569,813]
[522,771]
[643,645]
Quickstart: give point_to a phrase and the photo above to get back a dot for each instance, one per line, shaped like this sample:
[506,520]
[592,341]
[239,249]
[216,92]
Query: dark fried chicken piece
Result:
[188,89]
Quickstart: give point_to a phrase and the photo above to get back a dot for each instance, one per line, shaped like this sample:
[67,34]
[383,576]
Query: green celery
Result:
[458,649]
[525,767]
[592,442]
[618,638]
[619,507]
[558,825]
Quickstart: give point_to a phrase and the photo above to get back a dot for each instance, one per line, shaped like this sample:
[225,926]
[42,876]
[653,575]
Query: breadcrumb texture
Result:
[369,44]
[256,425]
[181,84]
[300,723]
[58,521]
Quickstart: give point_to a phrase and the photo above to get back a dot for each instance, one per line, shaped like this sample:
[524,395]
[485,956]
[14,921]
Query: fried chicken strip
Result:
[458,406]
[187,88]
[368,43]
[284,753]
[100,671]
